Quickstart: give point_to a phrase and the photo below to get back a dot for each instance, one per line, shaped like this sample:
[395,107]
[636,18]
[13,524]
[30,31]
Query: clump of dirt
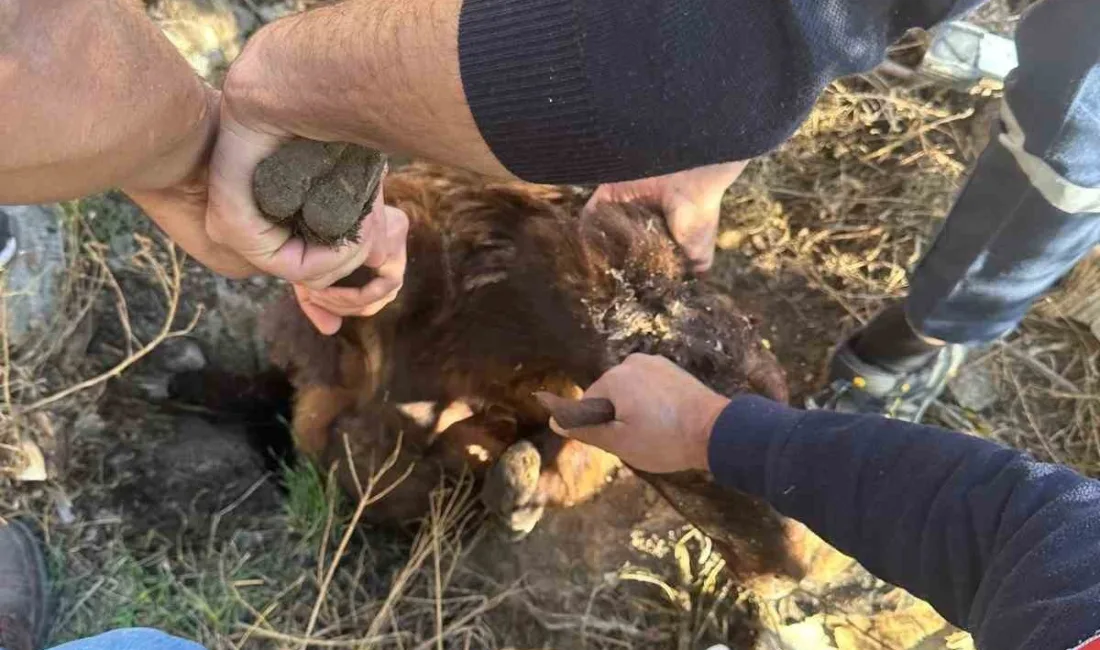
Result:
[319,190]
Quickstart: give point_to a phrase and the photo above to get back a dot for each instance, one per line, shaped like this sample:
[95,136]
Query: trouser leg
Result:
[131,639]
[1032,207]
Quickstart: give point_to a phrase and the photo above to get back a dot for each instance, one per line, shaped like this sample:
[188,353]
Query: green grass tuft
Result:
[309,500]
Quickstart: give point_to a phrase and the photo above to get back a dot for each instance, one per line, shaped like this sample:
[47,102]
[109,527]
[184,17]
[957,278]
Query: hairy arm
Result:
[382,73]
[93,96]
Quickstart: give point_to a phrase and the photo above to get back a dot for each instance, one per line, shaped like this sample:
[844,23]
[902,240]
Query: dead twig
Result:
[170,281]
[1039,367]
[367,497]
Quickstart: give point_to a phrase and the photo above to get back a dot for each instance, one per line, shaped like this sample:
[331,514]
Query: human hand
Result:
[172,190]
[690,200]
[385,238]
[254,124]
[663,415]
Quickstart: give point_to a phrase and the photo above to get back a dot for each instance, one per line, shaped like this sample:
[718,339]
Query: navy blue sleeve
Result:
[1000,544]
[575,91]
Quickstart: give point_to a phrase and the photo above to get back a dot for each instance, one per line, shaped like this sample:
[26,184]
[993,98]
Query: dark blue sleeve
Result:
[1000,544]
[574,91]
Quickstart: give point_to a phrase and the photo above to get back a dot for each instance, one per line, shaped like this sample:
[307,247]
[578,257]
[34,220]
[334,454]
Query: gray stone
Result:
[273,11]
[247,20]
[32,281]
[204,31]
[181,355]
[975,387]
[229,330]
[88,425]
[152,387]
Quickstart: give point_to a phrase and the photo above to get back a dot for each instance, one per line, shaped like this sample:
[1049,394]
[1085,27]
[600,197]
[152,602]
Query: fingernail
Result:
[556,428]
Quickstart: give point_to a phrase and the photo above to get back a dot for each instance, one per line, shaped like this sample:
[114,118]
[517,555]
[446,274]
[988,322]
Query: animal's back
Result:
[511,275]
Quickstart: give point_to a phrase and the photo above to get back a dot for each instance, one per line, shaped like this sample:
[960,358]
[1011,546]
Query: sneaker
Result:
[7,240]
[857,386]
[24,599]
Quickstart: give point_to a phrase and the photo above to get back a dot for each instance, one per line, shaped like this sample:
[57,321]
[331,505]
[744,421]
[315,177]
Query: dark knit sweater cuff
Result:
[745,435]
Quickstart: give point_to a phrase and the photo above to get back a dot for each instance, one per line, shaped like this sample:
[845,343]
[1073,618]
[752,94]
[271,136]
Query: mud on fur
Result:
[319,190]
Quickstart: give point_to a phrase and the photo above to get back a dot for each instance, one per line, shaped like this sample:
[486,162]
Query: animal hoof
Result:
[522,521]
[510,488]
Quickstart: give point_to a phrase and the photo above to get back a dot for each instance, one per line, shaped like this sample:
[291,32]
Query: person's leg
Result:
[24,604]
[131,639]
[1028,213]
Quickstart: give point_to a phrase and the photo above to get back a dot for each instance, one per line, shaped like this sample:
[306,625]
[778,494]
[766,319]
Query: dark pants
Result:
[1032,207]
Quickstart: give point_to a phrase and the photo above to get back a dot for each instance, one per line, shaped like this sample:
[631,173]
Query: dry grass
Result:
[267,585]
[851,200]
[849,204]
[26,381]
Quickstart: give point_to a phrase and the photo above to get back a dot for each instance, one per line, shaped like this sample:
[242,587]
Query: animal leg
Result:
[547,470]
[315,409]
[572,471]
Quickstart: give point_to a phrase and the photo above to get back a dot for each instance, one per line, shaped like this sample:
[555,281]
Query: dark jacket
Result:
[1000,544]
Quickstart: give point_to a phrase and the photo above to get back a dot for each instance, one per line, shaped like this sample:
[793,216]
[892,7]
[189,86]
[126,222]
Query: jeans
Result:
[1031,209]
[131,639]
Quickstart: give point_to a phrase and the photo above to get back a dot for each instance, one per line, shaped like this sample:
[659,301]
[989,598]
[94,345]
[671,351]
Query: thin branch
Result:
[1039,367]
[171,285]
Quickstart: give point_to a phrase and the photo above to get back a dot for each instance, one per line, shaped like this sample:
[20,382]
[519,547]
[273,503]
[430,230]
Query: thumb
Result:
[325,321]
[594,200]
[695,229]
[598,436]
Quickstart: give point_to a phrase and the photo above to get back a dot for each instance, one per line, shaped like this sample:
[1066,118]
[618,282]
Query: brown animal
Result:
[509,291]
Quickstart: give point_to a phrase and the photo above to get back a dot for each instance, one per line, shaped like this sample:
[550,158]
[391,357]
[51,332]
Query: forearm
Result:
[567,91]
[998,543]
[382,73]
[92,96]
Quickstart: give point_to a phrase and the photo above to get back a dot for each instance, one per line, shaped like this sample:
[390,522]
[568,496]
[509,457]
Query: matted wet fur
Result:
[508,291]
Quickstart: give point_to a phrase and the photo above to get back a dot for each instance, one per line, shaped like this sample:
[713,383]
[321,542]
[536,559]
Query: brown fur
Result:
[508,291]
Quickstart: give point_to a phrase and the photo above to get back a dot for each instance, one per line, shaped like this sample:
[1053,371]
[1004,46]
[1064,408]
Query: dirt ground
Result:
[161,511]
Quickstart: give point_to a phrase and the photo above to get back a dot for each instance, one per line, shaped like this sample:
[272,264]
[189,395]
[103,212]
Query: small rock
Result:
[32,281]
[204,31]
[230,328]
[809,634]
[153,387]
[181,355]
[64,507]
[34,463]
[88,425]
[276,10]
[975,387]
[731,239]
[247,20]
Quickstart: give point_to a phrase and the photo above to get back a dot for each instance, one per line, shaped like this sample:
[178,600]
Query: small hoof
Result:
[522,521]
[510,488]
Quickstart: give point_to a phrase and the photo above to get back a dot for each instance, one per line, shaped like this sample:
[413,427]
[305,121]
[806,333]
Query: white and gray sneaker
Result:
[856,386]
